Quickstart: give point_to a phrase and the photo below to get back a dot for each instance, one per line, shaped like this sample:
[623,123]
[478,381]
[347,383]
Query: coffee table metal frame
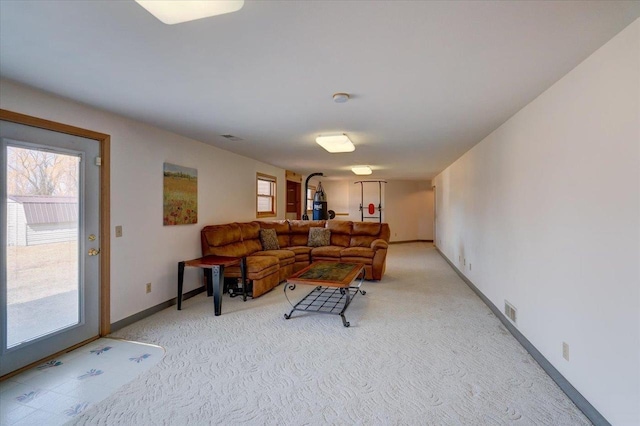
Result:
[332,297]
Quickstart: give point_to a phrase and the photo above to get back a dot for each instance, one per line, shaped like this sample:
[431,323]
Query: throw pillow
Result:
[319,237]
[269,239]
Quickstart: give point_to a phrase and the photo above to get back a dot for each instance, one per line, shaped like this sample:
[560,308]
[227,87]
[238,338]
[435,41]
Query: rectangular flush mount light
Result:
[176,11]
[361,170]
[336,143]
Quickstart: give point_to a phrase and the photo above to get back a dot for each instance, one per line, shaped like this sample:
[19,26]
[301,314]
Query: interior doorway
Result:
[293,199]
[294,195]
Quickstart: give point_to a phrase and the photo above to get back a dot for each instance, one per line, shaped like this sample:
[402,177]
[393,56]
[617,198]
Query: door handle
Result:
[93,252]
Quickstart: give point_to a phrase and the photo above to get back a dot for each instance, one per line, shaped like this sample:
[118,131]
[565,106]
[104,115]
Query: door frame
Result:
[296,194]
[105,198]
[435,213]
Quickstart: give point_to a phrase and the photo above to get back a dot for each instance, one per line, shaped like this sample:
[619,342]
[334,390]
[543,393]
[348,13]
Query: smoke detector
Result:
[340,98]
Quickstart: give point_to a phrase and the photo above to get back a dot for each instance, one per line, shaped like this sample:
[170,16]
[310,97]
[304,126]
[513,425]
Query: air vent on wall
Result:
[510,311]
[232,138]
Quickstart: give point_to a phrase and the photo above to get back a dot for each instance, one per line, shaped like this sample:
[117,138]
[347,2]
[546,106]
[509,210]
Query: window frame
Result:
[312,190]
[273,196]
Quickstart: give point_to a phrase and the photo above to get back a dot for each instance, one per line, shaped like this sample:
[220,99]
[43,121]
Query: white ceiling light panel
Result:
[336,143]
[176,11]
[361,170]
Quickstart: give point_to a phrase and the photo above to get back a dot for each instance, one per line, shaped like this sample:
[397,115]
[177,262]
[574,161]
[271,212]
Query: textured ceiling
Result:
[428,79]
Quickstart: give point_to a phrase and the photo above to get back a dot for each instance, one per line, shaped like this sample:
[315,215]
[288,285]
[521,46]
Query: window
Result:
[265,195]
[311,191]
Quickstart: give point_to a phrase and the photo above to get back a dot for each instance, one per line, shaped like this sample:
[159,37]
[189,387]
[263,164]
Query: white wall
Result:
[341,198]
[149,251]
[409,210]
[407,205]
[546,211]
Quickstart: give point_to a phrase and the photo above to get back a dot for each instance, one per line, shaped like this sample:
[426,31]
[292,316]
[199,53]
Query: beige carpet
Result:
[422,349]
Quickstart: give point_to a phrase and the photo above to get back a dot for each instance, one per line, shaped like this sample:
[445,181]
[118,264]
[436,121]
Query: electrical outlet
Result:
[148,287]
[565,350]
[118,231]
[510,312]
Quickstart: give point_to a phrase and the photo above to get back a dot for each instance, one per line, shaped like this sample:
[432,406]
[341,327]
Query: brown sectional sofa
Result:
[351,242]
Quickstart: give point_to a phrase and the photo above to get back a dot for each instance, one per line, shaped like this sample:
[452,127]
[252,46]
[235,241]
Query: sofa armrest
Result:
[379,244]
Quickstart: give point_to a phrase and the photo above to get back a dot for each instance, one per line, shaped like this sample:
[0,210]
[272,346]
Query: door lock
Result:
[93,252]
[92,237]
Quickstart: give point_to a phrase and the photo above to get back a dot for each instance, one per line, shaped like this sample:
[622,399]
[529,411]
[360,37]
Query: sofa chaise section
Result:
[226,240]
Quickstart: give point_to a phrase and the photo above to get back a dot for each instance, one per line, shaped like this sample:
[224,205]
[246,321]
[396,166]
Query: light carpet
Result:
[422,349]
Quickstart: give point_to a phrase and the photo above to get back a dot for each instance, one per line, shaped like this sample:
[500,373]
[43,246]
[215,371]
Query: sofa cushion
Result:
[269,239]
[285,257]
[366,228]
[319,237]
[250,232]
[282,230]
[258,267]
[258,264]
[232,250]
[220,235]
[340,232]
[357,252]
[299,230]
[298,250]
[364,233]
[326,251]
[303,253]
[363,260]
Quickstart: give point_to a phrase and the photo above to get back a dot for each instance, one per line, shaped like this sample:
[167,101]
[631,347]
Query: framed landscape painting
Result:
[180,195]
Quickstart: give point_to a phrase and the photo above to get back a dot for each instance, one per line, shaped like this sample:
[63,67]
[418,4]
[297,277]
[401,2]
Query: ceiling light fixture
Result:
[175,11]
[336,143]
[361,170]
[340,98]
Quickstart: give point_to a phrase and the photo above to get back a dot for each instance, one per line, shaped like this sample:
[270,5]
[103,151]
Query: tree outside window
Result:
[39,172]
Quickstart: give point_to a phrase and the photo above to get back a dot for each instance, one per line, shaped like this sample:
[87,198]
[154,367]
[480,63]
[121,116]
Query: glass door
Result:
[49,285]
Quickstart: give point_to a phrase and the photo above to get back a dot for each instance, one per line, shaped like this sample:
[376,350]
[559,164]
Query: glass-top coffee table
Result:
[333,290]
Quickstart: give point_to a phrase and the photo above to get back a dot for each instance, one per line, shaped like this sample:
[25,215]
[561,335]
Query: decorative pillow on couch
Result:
[269,239]
[319,237]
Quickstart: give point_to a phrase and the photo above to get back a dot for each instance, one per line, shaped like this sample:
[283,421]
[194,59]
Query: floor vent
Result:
[510,311]
[232,138]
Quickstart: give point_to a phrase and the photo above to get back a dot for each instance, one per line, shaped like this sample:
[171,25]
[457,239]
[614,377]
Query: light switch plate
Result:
[565,350]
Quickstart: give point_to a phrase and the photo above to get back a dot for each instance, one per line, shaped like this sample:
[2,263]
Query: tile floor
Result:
[58,390]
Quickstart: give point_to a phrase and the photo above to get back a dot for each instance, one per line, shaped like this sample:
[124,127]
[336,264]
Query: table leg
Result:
[361,281]
[243,275]
[218,282]
[346,305]
[180,283]
[291,287]
[207,278]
